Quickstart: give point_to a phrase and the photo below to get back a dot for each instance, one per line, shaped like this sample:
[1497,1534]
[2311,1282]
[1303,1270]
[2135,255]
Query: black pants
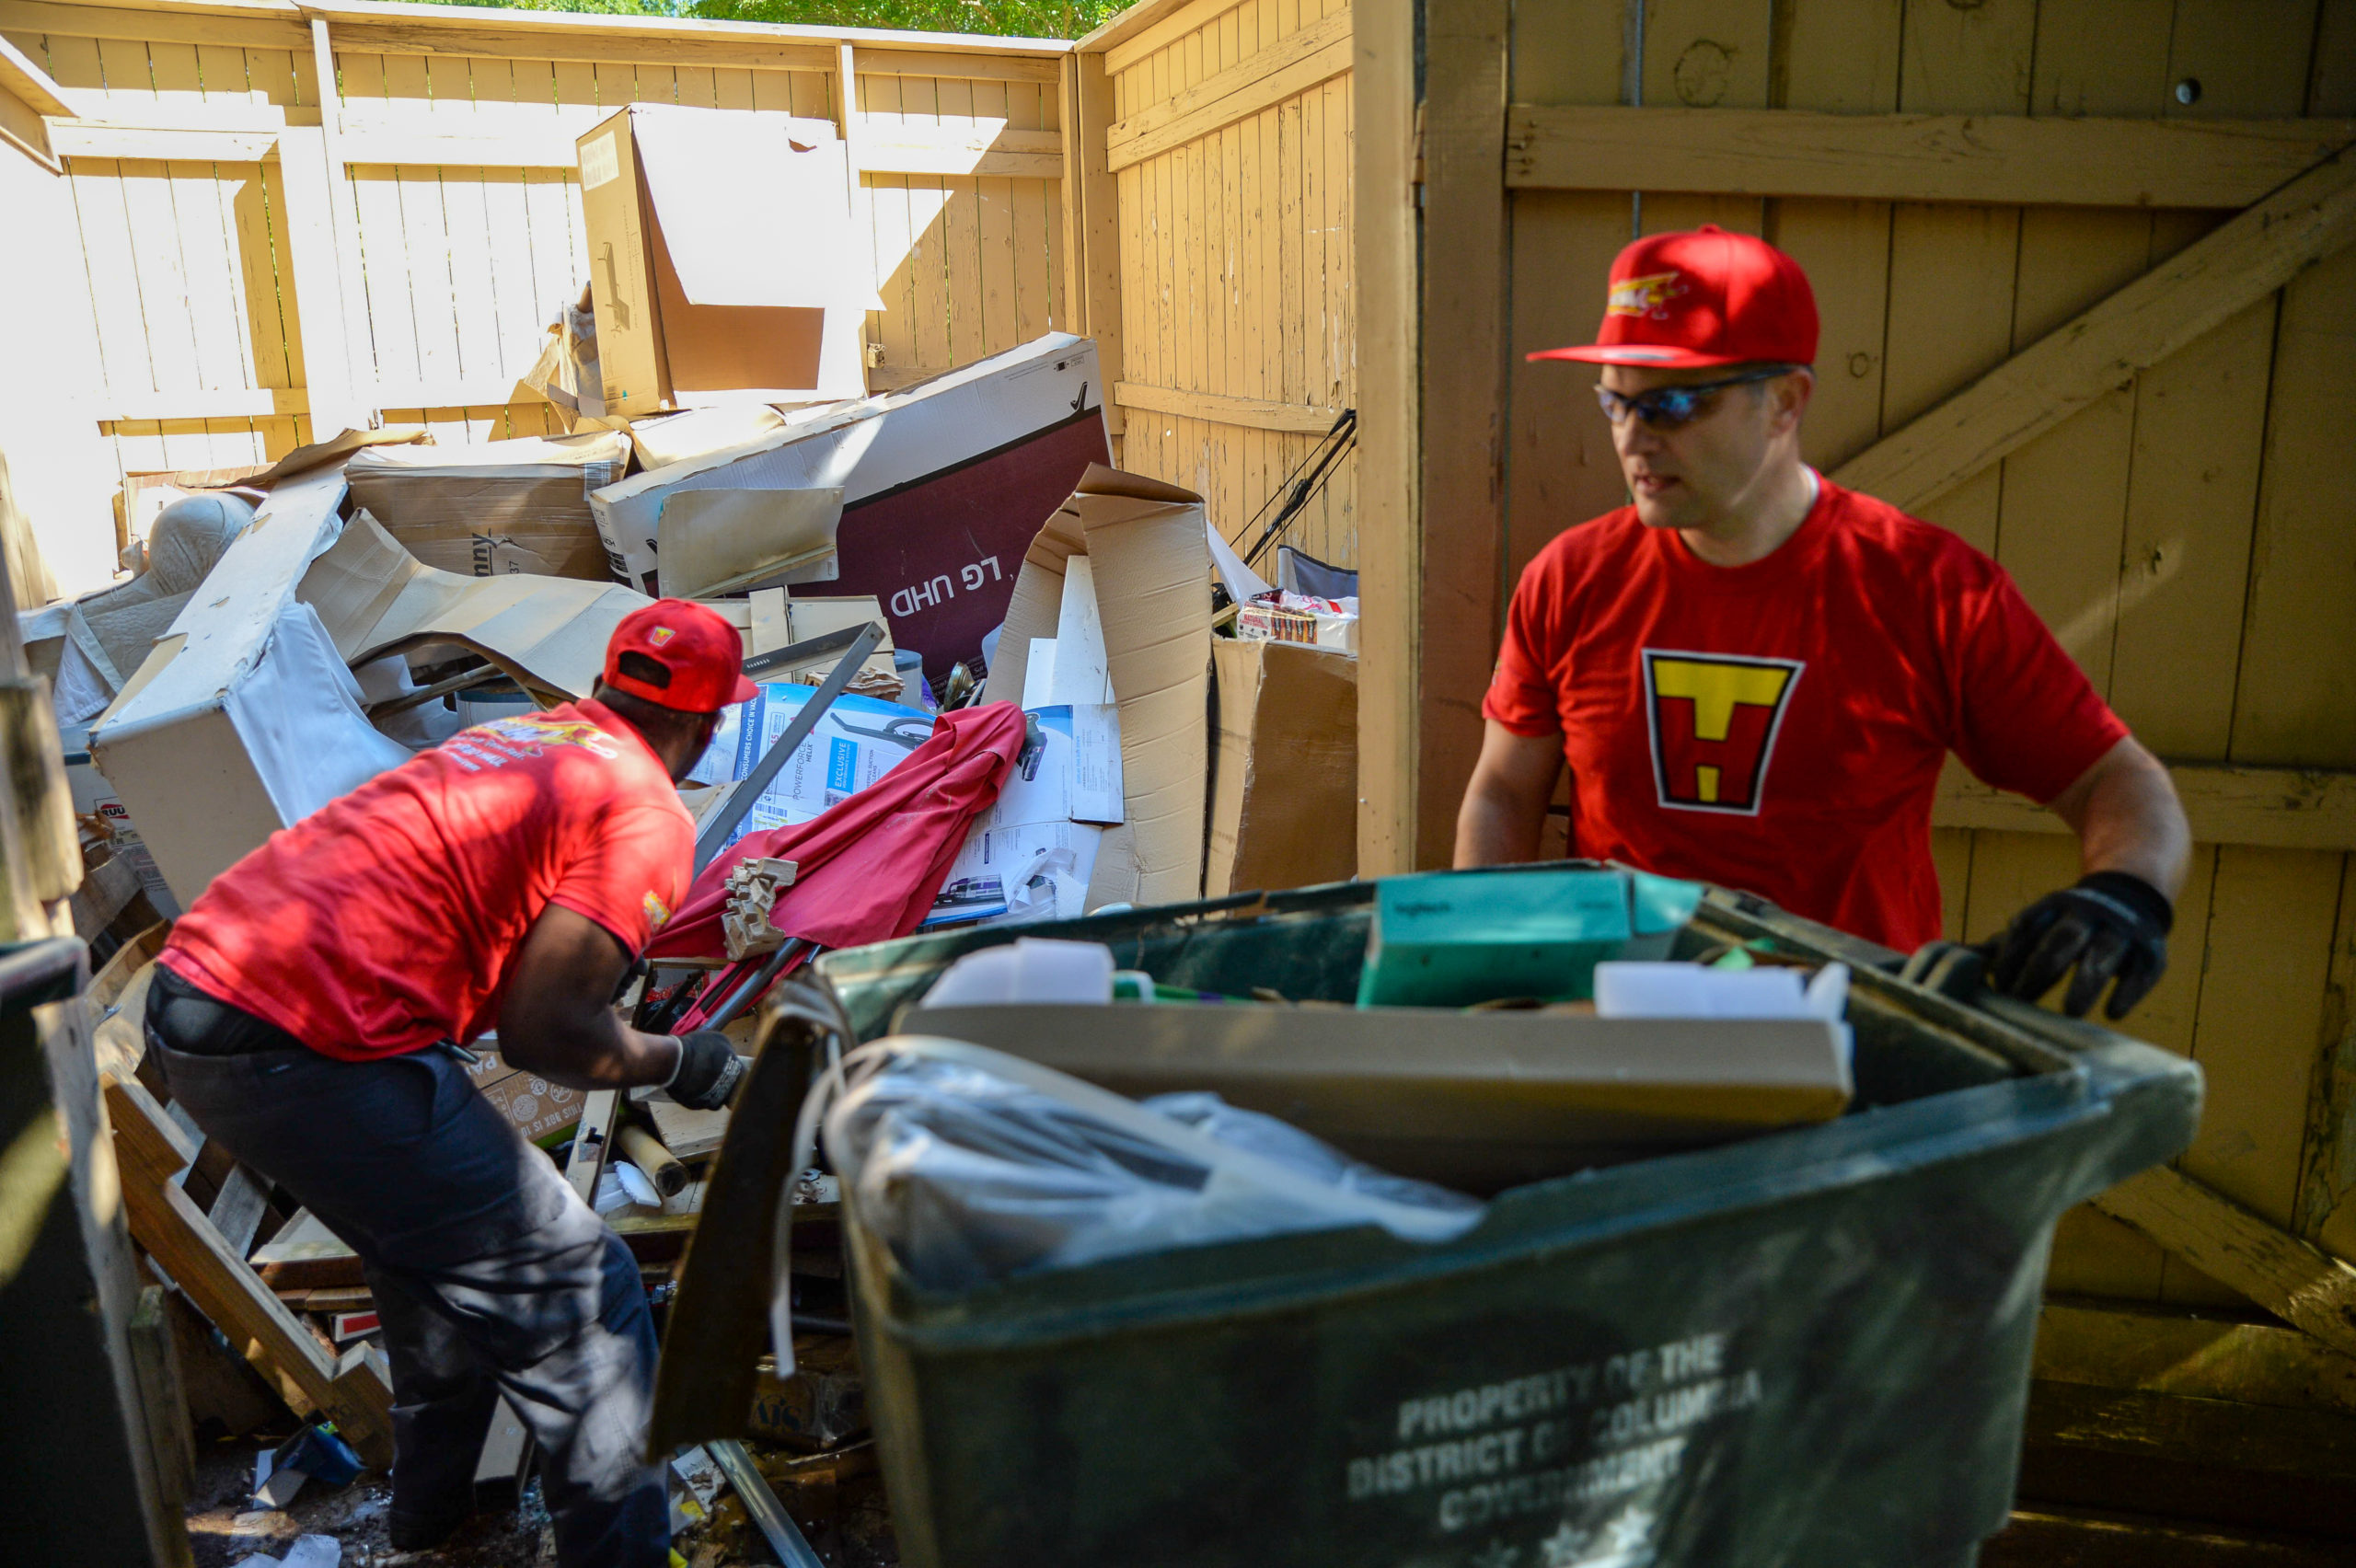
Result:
[491,1274]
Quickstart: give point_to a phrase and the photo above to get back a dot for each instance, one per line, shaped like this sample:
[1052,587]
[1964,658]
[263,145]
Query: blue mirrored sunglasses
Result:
[1665,407]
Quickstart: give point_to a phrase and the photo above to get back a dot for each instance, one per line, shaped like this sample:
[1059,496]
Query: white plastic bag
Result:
[973,1165]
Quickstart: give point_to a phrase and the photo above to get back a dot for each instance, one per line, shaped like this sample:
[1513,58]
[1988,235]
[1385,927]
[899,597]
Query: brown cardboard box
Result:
[541,1110]
[1284,774]
[1149,552]
[504,507]
[722,259]
[1475,1101]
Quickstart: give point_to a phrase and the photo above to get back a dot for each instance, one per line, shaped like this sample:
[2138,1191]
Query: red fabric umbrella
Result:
[869,868]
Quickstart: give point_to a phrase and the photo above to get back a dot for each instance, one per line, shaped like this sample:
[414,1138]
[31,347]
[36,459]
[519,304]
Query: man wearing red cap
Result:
[1755,676]
[307,1009]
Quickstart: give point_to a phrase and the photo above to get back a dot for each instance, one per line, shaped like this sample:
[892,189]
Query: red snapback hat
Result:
[1702,297]
[700,655]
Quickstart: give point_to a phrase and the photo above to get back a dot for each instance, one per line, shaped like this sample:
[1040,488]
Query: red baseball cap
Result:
[700,655]
[1702,297]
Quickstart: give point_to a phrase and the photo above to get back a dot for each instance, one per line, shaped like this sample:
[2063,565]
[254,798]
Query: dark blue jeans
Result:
[491,1274]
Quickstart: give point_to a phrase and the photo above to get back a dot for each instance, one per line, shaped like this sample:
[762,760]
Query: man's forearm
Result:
[2129,820]
[600,1052]
[1493,828]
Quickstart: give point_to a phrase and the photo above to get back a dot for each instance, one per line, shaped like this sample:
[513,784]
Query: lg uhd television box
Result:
[944,485]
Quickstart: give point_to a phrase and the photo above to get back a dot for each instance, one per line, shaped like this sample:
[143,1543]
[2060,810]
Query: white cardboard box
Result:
[244,719]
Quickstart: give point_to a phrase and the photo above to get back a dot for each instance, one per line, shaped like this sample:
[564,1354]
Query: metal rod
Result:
[807,652]
[713,838]
[725,1014]
[476,675]
[768,1514]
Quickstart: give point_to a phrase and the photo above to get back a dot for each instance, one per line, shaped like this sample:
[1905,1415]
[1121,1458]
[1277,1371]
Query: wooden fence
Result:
[292,217]
[1216,254]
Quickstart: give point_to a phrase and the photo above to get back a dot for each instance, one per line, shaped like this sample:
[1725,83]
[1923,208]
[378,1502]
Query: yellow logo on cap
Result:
[660,635]
[1643,296]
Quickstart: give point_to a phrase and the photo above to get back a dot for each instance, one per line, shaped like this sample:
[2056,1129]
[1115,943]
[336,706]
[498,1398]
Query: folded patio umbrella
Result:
[868,869]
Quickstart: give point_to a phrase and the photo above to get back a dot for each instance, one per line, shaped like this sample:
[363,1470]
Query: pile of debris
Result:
[285,633]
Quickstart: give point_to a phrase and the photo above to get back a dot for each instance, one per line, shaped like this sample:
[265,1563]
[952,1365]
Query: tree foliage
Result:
[1018,19]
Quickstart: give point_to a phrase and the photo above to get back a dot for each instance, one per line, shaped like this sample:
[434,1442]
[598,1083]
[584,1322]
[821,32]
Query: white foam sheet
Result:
[298,714]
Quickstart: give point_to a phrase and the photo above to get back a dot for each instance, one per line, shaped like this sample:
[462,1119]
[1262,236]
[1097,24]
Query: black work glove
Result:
[2110,925]
[710,1069]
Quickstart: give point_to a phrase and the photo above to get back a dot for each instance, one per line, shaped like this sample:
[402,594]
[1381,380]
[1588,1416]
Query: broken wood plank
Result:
[163,1398]
[185,1244]
[238,1211]
[2290,1279]
[686,1133]
[598,1114]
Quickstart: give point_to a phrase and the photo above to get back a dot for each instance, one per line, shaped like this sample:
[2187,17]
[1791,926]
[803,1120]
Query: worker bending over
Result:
[508,877]
[1755,674]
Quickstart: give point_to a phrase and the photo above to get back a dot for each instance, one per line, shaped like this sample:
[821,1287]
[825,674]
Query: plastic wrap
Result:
[973,1165]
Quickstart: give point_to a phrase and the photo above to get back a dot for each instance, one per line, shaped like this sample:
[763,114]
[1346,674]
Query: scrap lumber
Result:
[163,1398]
[150,1151]
[685,1132]
[2297,1283]
[302,1259]
[590,1142]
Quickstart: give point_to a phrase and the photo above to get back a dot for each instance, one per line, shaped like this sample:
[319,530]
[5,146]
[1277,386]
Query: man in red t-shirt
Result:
[308,1009]
[1755,674]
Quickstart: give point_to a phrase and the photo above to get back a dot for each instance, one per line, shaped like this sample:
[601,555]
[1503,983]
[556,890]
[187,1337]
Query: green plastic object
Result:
[1451,939]
[1811,1348]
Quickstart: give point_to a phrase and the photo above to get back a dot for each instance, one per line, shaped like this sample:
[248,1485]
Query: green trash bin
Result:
[1811,1348]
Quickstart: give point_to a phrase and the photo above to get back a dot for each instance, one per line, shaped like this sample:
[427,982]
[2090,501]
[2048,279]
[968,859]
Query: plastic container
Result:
[1812,1348]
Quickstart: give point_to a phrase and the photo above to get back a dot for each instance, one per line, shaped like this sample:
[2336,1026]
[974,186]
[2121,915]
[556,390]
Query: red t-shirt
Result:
[1779,726]
[384,920]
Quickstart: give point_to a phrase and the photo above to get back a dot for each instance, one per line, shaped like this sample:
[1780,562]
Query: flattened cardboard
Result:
[1285,775]
[547,632]
[1477,1101]
[1150,558]
[719,252]
[943,485]
[725,541]
[504,508]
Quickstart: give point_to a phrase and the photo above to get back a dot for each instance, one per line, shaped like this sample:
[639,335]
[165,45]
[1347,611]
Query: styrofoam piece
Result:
[1035,969]
[1635,989]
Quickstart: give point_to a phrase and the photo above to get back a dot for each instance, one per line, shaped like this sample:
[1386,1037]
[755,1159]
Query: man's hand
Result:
[556,1015]
[2113,926]
[710,1070]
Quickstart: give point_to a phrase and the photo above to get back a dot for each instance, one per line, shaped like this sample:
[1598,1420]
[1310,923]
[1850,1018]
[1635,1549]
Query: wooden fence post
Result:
[1092,222]
[1385,190]
[351,327]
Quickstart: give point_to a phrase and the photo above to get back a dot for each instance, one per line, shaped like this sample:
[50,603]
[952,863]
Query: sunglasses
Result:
[1665,407]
